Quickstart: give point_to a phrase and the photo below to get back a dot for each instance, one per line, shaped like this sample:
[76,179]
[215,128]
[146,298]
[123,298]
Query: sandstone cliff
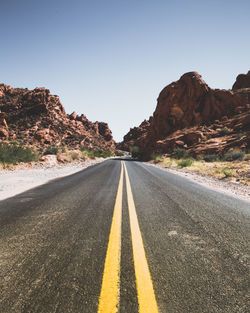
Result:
[36,117]
[186,109]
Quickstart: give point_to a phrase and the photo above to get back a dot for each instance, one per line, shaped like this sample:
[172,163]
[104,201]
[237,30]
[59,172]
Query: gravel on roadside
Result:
[225,186]
[13,182]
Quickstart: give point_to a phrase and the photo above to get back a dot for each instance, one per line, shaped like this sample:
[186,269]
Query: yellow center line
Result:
[109,297]
[145,290]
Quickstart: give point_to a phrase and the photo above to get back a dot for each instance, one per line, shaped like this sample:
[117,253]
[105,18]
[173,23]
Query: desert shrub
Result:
[119,153]
[241,134]
[242,91]
[97,153]
[185,162]
[74,156]
[180,153]
[14,153]
[227,172]
[51,150]
[234,156]
[210,158]
[64,149]
[136,152]
[87,153]
[223,131]
[156,157]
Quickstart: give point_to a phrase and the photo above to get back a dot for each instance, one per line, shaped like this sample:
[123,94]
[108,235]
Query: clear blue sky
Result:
[110,59]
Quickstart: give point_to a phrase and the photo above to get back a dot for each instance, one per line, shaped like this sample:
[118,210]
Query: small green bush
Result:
[223,131]
[87,153]
[119,153]
[210,158]
[180,153]
[74,156]
[227,172]
[234,156]
[136,152]
[185,163]
[51,150]
[14,153]
[64,149]
[241,134]
[157,158]
[98,153]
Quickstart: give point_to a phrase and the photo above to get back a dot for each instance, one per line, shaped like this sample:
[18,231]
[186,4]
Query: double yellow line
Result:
[109,297]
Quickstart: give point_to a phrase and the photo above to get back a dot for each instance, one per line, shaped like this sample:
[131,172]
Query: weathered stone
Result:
[36,116]
[242,81]
[183,108]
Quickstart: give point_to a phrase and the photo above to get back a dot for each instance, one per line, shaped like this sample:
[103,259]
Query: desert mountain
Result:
[36,117]
[191,115]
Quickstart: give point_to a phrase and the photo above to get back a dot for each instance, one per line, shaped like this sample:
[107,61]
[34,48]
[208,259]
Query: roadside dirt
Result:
[224,185]
[26,176]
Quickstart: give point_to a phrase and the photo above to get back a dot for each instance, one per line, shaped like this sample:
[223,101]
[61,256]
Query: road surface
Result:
[126,237]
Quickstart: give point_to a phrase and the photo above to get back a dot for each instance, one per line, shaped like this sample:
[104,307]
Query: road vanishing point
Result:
[123,236]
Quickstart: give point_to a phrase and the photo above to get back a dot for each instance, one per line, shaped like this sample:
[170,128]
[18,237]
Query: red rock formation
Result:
[134,134]
[184,104]
[242,81]
[215,138]
[37,117]
[4,130]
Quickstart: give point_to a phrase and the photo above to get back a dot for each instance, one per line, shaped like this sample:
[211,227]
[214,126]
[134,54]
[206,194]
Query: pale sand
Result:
[20,180]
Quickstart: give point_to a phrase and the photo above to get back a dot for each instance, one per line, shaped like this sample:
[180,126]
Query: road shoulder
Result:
[233,189]
[20,180]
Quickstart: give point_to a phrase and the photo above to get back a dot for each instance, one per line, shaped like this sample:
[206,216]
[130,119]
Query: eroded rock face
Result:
[216,138]
[182,105]
[4,130]
[188,102]
[37,117]
[242,81]
[135,134]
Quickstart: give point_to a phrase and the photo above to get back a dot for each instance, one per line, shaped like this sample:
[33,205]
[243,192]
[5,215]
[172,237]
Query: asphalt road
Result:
[54,244]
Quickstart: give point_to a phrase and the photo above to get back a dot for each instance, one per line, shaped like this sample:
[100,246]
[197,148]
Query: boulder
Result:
[242,81]
[49,159]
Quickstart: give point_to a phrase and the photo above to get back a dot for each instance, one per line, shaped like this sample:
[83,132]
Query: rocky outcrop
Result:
[242,81]
[216,138]
[36,117]
[4,130]
[134,134]
[184,105]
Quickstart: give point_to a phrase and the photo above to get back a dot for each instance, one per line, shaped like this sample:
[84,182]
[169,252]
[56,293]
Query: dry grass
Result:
[235,170]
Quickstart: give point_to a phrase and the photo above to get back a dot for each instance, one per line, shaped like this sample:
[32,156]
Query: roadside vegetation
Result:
[65,154]
[119,153]
[95,153]
[136,152]
[11,154]
[233,165]
[14,153]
